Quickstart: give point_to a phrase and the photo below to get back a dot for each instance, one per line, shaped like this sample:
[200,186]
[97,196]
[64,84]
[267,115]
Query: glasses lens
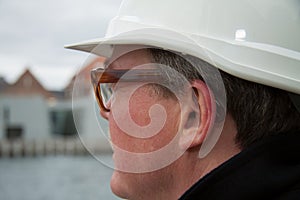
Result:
[106,92]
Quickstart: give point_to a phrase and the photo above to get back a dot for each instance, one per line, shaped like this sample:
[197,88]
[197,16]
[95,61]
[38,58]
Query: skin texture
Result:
[173,180]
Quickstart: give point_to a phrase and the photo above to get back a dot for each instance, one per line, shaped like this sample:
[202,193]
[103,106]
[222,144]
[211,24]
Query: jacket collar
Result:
[265,170]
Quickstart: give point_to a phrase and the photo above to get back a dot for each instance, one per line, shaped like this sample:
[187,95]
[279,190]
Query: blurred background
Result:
[41,153]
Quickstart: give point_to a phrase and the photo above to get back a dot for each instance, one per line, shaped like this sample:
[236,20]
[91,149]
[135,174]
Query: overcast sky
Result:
[33,33]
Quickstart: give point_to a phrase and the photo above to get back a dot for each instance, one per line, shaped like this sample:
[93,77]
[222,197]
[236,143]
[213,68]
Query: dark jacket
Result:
[269,169]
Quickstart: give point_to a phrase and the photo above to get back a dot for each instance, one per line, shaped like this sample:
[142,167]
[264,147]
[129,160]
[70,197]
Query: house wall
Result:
[42,114]
[31,113]
[87,118]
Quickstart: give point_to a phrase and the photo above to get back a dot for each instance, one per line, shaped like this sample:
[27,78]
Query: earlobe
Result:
[196,128]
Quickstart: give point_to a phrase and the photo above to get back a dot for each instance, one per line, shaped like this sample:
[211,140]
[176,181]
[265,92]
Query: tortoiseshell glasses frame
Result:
[103,76]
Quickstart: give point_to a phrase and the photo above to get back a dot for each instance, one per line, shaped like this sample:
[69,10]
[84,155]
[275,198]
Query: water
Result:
[55,178]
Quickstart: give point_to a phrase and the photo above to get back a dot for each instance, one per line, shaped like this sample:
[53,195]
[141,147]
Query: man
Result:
[164,99]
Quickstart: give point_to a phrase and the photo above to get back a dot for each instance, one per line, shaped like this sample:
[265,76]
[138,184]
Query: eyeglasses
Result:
[104,79]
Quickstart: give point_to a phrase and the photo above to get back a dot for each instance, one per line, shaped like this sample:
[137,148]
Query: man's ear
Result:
[197,119]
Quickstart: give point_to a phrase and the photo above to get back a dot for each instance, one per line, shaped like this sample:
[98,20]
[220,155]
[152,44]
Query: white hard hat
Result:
[257,40]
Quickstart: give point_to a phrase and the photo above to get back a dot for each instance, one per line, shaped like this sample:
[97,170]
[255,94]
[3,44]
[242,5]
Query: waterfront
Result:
[55,178]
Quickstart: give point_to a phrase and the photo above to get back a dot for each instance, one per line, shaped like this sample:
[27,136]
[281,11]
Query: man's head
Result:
[256,111]
[258,63]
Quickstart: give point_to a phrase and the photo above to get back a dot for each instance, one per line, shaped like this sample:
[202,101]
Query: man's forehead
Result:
[127,55]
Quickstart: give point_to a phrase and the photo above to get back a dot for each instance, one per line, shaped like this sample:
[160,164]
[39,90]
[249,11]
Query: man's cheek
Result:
[124,141]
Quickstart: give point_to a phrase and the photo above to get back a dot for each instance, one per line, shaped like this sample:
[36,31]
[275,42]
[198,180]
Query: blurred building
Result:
[3,84]
[28,110]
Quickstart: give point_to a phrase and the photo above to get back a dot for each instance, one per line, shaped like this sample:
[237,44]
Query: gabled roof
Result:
[85,77]
[27,85]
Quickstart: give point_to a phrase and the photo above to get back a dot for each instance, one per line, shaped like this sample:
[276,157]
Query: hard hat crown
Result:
[251,39]
[268,22]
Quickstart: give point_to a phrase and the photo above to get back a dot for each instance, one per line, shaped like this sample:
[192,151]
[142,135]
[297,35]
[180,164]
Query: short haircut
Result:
[258,110]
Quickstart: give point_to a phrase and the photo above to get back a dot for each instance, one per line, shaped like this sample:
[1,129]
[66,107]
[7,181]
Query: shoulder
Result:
[292,194]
